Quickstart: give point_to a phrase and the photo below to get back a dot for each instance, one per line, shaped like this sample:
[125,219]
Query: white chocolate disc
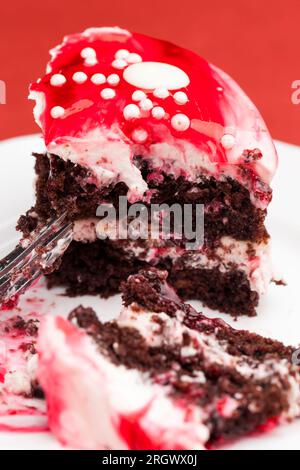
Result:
[152,75]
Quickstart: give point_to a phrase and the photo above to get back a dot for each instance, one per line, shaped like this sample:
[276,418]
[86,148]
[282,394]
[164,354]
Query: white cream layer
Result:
[231,252]
[109,156]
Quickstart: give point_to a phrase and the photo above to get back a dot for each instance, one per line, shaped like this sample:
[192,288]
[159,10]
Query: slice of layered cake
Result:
[124,114]
[161,376]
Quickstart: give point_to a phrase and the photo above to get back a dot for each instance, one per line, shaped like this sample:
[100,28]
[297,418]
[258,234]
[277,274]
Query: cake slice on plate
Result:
[123,114]
[161,376]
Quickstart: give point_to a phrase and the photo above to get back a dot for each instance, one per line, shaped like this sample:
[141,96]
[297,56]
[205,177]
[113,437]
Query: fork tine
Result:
[20,253]
[23,266]
[17,288]
[7,262]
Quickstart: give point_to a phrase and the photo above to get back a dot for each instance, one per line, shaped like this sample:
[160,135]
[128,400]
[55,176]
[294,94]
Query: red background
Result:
[256,41]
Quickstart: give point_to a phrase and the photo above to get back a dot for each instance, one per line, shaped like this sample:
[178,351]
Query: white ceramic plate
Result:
[278,314]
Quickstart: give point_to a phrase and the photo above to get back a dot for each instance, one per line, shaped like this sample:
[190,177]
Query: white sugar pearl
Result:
[98,79]
[158,112]
[161,93]
[131,111]
[119,64]
[122,54]
[113,79]
[80,77]
[58,79]
[57,112]
[180,122]
[107,93]
[180,97]
[134,58]
[228,141]
[88,52]
[90,61]
[146,104]
[138,95]
[140,135]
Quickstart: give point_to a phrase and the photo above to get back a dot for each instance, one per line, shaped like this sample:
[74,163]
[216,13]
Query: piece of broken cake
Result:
[160,376]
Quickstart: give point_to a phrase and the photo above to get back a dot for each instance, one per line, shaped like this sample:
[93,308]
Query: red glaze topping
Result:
[107,83]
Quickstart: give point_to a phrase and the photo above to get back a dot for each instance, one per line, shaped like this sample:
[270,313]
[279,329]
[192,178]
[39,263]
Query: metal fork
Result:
[20,268]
